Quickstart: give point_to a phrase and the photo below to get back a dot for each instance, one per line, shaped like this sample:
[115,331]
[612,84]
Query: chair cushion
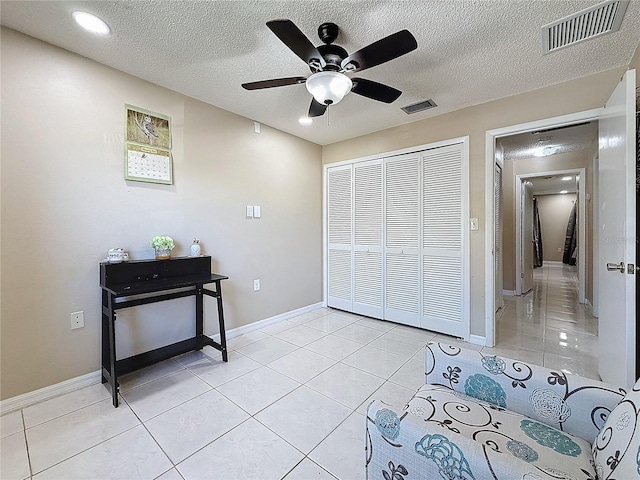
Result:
[616,449]
[545,448]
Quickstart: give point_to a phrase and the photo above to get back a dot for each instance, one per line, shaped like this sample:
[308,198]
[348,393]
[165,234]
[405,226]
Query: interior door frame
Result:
[582,235]
[490,156]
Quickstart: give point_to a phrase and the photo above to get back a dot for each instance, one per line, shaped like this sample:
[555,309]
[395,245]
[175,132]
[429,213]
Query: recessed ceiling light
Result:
[91,23]
[544,151]
[305,120]
[563,191]
[565,179]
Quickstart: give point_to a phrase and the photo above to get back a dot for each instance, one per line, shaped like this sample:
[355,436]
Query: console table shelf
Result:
[158,280]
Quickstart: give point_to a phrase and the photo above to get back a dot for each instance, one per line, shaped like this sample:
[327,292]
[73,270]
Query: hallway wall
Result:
[554,215]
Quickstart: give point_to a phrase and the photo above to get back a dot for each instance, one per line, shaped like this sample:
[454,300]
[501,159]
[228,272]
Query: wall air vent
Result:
[592,22]
[419,107]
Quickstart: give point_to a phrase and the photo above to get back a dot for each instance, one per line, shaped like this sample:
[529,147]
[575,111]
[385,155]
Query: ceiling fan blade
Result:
[316,109]
[381,51]
[275,82]
[297,41]
[374,90]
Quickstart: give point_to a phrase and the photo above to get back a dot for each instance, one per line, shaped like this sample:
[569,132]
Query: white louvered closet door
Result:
[402,239]
[444,221]
[339,233]
[367,249]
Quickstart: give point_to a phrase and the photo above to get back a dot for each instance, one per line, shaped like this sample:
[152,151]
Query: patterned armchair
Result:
[486,417]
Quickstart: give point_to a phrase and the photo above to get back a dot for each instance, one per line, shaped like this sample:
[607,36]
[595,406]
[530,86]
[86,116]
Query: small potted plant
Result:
[163,247]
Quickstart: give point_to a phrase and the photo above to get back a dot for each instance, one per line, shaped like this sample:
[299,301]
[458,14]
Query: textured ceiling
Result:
[559,140]
[469,51]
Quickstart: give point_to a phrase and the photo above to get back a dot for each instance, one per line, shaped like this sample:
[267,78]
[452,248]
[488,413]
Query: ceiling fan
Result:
[329,64]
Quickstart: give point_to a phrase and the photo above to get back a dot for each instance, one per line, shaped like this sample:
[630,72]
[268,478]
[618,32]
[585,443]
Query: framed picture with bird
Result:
[147,146]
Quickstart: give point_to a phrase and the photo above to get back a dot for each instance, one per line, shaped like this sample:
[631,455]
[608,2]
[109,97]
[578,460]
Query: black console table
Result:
[134,283]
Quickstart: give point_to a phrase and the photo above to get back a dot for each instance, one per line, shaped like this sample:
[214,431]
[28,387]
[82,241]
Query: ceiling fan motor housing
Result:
[333,56]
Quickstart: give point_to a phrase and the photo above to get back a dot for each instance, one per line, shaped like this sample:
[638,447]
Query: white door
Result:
[367,248]
[339,233]
[617,218]
[527,236]
[402,239]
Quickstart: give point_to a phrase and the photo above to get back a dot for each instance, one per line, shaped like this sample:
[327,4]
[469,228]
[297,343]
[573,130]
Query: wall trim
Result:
[551,262]
[589,306]
[509,293]
[47,393]
[257,325]
[477,340]
[37,396]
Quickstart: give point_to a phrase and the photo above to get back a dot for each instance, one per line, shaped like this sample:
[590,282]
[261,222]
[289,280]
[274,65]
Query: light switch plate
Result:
[256,211]
[249,211]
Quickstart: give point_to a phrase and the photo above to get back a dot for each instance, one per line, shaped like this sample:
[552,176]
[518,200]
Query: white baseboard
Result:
[551,262]
[509,293]
[38,396]
[477,340]
[31,398]
[235,332]
[590,307]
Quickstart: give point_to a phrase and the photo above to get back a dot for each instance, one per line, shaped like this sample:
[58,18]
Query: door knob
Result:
[616,266]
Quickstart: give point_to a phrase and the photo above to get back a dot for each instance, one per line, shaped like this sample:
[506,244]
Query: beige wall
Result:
[574,96]
[554,213]
[65,203]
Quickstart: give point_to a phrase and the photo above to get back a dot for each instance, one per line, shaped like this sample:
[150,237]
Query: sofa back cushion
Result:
[616,449]
[570,403]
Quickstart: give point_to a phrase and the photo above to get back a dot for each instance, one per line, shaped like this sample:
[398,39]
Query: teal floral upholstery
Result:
[616,450]
[562,401]
[482,416]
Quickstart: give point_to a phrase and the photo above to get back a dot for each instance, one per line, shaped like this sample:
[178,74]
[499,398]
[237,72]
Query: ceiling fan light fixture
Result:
[328,88]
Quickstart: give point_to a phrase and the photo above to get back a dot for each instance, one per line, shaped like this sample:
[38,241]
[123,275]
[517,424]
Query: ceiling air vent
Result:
[419,107]
[592,22]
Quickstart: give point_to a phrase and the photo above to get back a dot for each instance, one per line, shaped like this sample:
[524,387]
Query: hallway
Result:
[548,326]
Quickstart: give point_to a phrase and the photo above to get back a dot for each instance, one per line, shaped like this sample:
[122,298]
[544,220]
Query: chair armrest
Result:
[571,403]
[400,445]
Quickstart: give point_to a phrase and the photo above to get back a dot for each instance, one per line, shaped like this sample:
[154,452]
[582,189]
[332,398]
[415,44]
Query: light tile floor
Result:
[290,403]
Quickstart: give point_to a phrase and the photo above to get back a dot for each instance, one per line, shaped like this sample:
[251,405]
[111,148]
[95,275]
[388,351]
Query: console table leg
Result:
[112,351]
[199,311]
[223,335]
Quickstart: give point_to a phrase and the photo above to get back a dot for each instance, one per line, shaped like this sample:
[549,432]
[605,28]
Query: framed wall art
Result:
[147,146]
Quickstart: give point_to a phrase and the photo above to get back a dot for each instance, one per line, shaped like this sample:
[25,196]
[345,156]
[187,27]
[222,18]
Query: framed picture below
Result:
[147,146]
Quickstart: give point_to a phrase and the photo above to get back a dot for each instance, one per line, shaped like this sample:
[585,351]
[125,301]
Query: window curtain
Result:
[570,240]
[537,236]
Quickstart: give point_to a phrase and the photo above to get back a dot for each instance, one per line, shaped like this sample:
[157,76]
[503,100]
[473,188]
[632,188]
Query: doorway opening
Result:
[498,145]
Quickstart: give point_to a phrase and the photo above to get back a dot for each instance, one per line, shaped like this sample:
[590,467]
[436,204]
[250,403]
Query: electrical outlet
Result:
[256,285]
[77,320]
[559,249]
